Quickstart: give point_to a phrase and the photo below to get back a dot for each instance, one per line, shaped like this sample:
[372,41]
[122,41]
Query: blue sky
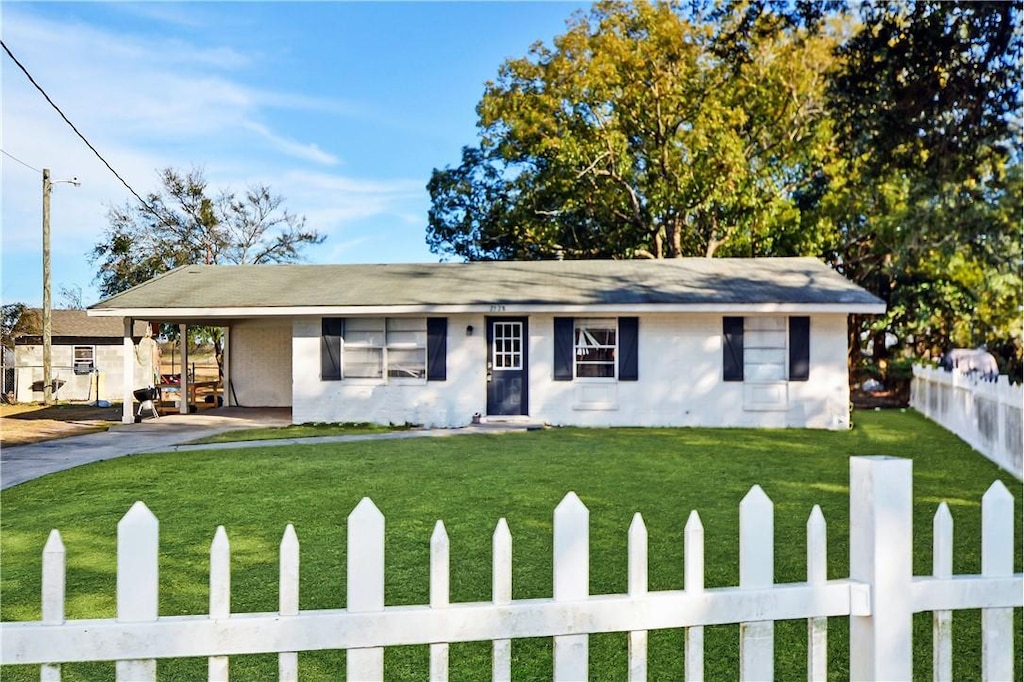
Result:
[344,108]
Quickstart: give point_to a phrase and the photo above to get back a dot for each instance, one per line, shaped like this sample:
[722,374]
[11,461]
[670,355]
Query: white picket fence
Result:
[879,597]
[989,415]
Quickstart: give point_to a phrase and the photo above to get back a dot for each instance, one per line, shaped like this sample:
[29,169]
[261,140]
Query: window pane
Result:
[363,363]
[407,324]
[407,331]
[595,346]
[507,345]
[362,324]
[595,370]
[407,363]
[367,331]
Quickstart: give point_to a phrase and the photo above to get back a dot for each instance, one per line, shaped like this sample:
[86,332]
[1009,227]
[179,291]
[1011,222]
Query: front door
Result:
[507,362]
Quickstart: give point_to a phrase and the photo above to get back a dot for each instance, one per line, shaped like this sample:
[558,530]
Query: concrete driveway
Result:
[22,463]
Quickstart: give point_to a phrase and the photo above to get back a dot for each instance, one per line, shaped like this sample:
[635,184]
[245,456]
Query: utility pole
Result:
[47,328]
[47,305]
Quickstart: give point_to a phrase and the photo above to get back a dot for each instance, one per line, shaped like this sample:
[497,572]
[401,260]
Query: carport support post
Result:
[128,361]
[183,384]
[225,358]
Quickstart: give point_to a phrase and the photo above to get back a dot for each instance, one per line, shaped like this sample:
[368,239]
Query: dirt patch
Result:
[30,423]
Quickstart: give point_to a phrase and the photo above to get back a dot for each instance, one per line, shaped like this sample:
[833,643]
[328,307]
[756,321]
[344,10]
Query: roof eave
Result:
[493,309]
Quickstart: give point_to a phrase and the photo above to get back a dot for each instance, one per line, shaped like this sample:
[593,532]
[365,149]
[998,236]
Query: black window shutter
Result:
[330,348]
[732,348]
[799,348]
[563,349]
[628,364]
[437,348]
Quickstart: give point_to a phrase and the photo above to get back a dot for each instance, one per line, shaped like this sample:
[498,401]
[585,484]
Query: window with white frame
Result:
[764,348]
[595,347]
[84,359]
[406,348]
[376,347]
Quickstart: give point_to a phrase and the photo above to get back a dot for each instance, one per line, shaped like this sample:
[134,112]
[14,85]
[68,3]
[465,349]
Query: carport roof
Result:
[696,284]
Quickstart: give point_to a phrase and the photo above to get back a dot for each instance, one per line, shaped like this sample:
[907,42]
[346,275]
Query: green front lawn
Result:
[470,482]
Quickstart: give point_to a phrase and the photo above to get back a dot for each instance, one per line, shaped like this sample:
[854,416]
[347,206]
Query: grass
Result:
[469,482]
[310,430]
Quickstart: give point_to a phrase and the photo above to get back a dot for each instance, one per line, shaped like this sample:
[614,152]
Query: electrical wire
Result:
[15,158]
[77,131]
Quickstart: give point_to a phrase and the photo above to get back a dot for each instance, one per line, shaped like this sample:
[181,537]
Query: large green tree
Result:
[926,203]
[637,135]
[183,224]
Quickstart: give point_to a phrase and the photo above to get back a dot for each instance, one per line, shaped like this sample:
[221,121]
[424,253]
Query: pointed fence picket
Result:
[501,593]
[942,568]
[757,570]
[365,583]
[288,599]
[693,581]
[220,596]
[637,587]
[138,583]
[53,595]
[817,627]
[879,598]
[439,593]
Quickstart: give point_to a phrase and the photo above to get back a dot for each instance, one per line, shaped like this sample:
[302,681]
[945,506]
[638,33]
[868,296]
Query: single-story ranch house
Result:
[685,342]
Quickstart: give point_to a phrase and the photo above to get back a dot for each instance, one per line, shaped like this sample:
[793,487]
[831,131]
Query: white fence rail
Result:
[989,415]
[879,597]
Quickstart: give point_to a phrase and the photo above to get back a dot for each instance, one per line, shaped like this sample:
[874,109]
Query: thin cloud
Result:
[309,152]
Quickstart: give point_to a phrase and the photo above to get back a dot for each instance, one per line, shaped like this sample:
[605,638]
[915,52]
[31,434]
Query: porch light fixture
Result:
[469,330]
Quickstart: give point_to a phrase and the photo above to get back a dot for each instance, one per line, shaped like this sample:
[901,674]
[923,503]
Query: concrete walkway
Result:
[22,463]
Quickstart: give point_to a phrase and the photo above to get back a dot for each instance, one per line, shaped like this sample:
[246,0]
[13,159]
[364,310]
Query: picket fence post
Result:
[440,579]
[997,561]
[571,581]
[942,621]
[288,598]
[220,596]
[881,542]
[637,587]
[501,593]
[54,576]
[693,582]
[757,570]
[365,584]
[817,565]
[138,552]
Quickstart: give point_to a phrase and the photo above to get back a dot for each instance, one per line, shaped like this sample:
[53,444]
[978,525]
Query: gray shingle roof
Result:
[78,323]
[688,281]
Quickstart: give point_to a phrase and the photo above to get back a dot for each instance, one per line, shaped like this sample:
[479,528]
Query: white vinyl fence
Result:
[879,597]
[987,414]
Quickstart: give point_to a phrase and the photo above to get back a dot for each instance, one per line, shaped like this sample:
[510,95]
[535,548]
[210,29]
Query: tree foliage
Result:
[633,137]
[927,206]
[17,320]
[182,224]
[931,87]
[882,137]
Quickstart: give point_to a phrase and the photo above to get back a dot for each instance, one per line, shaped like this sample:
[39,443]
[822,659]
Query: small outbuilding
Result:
[87,358]
[687,342]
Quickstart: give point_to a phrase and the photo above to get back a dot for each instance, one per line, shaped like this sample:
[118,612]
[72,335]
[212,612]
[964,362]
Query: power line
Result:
[78,132]
[15,158]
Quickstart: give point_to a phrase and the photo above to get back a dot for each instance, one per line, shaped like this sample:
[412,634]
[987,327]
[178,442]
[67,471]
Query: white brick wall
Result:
[261,363]
[680,368]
